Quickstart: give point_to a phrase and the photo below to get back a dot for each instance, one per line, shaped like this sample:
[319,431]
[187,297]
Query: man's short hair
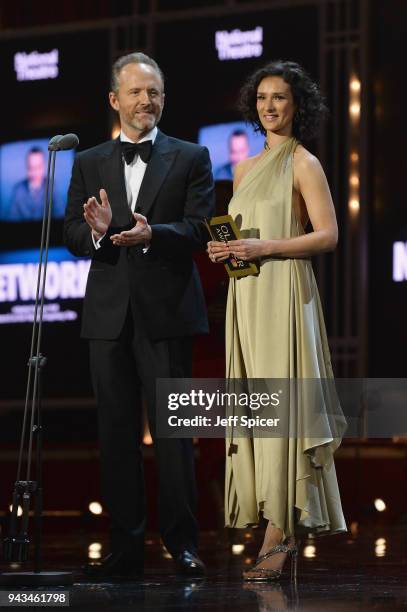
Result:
[35,150]
[238,132]
[132,58]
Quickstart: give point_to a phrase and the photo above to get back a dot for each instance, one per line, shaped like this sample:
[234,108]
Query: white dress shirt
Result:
[133,176]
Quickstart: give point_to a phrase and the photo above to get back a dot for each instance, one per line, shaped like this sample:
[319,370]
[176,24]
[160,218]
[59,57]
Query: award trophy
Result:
[224,229]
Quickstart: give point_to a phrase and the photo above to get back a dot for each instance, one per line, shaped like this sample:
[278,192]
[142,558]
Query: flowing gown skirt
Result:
[275,329]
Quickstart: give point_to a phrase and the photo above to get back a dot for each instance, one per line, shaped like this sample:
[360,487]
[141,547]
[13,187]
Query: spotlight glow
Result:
[380,547]
[94,554]
[354,528]
[19,510]
[95,508]
[354,109]
[147,439]
[237,549]
[165,553]
[355,84]
[354,205]
[379,505]
[354,180]
[310,552]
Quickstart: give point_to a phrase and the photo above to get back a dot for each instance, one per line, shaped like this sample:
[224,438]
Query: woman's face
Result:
[275,105]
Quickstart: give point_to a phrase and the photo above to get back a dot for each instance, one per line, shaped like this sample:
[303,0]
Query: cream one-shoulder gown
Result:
[275,329]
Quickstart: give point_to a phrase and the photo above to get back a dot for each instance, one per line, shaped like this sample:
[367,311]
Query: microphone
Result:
[69,141]
[53,143]
[63,143]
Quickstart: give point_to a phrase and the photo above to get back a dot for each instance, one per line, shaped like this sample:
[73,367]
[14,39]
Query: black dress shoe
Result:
[189,564]
[115,564]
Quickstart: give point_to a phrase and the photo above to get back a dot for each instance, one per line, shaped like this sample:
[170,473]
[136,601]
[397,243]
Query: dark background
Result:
[388,223]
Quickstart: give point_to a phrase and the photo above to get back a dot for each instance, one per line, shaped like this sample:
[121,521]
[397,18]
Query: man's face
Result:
[35,169]
[139,99]
[238,149]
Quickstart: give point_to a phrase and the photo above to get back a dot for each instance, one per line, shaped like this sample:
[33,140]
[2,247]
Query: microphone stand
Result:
[16,545]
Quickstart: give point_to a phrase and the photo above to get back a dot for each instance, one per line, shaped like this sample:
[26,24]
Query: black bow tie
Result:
[142,149]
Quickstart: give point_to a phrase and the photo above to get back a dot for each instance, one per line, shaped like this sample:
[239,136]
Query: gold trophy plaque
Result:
[224,229]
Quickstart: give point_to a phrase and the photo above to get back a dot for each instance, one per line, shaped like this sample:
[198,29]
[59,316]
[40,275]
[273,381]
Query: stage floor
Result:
[363,571]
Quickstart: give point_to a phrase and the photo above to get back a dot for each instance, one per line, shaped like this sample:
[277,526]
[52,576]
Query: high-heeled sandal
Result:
[268,575]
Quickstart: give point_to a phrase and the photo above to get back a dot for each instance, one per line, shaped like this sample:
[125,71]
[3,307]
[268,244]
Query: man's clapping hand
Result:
[98,216]
[139,234]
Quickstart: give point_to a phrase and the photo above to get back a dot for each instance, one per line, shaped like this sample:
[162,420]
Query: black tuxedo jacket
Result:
[162,285]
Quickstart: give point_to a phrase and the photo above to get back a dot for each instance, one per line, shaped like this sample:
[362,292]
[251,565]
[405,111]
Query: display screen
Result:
[63,296]
[228,144]
[64,287]
[23,173]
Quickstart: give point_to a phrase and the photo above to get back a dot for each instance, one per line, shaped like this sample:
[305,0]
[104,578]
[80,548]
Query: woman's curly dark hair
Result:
[311,108]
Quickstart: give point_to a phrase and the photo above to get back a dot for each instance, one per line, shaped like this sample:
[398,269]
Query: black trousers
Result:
[122,370]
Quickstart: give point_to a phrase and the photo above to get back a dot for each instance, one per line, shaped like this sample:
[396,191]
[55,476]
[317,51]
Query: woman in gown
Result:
[274,321]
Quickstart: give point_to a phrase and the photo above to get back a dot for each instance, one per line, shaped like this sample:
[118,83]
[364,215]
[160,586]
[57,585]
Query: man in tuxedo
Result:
[143,304]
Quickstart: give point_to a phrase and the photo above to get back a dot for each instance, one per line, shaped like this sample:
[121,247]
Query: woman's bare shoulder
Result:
[304,160]
[307,170]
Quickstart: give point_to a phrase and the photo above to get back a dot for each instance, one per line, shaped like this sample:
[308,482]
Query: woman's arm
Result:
[310,181]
